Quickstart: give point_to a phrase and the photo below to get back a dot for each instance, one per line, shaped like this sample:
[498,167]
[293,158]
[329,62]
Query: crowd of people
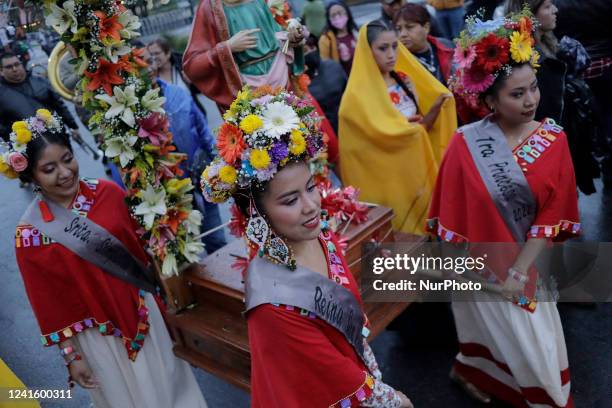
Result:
[404,104]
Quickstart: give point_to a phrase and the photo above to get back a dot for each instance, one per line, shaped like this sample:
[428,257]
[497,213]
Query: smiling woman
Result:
[88,278]
[306,325]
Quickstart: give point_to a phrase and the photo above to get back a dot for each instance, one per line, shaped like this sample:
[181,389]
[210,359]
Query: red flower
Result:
[109,26]
[526,26]
[230,142]
[105,76]
[492,52]
[395,98]
[155,128]
[238,222]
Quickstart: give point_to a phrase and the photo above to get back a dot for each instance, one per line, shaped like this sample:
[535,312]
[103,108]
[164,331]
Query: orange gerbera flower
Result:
[109,26]
[105,76]
[230,142]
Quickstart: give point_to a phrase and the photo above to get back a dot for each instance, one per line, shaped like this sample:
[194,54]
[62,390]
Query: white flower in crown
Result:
[153,203]
[122,147]
[131,24]
[152,101]
[62,18]
[279,119]
[121,104]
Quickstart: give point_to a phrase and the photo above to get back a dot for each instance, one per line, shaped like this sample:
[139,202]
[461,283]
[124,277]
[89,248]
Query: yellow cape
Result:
[393,162]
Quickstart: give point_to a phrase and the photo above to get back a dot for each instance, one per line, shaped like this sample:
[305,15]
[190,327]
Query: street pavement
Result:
[415,355]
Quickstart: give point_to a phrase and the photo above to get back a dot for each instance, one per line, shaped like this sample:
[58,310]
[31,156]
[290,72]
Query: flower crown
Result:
[14,159]
[486,49]
[264,129]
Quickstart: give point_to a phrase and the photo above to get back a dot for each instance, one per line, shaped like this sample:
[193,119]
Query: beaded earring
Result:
[268,244]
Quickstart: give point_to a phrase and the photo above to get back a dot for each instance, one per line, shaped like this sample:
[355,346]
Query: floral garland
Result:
[486,49]
[128,114]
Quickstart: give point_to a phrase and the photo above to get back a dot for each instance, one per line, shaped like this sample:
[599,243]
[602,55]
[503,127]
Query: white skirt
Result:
[513,354]
[156,379]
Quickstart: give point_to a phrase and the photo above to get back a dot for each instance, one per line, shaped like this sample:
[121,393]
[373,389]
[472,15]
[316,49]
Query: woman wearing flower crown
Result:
[395,122]
[307,327]
[87,277]
[507,178]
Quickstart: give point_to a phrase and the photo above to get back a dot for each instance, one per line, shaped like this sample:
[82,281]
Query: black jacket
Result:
[327,87]
[587,22]
[19,101]
[568,100]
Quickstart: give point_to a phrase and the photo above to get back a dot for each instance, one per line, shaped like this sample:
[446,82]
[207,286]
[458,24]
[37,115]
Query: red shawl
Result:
[462,209]
[298,360]
[67,293]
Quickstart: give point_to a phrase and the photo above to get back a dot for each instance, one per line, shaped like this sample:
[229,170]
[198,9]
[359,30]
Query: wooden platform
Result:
[206,304]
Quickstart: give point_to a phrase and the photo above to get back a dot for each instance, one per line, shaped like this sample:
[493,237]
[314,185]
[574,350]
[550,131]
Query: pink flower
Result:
[154,127]
[464,56]
[18,161]
[477,80]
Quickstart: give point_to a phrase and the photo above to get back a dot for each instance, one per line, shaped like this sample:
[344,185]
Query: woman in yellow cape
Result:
[393,161]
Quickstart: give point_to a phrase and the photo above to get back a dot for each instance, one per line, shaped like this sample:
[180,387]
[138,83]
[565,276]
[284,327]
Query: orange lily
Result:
[105,76]
[109,26]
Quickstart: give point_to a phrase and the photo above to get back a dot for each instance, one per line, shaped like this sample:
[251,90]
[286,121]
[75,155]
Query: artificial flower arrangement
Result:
[129,116]
[14,159]
[486,49]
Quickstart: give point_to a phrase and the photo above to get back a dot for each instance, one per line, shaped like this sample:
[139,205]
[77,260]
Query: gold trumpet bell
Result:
[62,75]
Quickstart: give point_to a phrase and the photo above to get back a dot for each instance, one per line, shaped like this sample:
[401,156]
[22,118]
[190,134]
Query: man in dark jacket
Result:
[22,94]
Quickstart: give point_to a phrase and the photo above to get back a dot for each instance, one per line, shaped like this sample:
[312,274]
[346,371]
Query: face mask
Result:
[312,61]
[339,22]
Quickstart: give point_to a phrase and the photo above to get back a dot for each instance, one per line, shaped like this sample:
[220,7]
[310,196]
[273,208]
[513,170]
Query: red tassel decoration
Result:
[47,216]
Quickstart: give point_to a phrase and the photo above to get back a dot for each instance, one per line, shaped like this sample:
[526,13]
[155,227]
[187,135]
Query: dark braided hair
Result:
[374,30]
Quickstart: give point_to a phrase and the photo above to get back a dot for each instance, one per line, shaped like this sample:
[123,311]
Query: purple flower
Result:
[312,146]
[38,125]
[261,100]
[279,152]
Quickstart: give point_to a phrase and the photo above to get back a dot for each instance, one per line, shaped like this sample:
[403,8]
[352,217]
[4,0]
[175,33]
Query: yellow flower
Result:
[23,136]
[535,58]
[520,46]
[260,159]
[19,125]
[228,174]
[7,170]
[178,186]
[44,114]
[251,123]
[205,173]
[243,95]
[298,143]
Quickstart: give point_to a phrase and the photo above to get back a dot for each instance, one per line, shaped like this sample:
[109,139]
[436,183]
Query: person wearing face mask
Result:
[566,97]
[327,81]
[413,24]
[307,328]
[339,40]
[396,117]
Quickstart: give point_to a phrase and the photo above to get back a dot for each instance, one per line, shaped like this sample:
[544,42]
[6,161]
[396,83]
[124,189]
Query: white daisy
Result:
[278,119]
